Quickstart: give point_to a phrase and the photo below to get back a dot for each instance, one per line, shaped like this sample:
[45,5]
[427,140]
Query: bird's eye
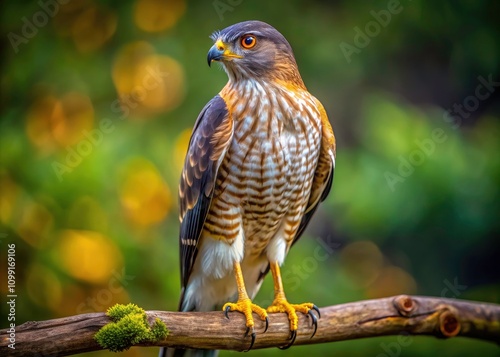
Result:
[248,41]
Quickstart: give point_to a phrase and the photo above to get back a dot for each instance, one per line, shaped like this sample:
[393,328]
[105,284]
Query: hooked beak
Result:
[219,52]
[214,54]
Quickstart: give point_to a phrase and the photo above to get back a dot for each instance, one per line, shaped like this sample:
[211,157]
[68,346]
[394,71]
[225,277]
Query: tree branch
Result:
[211,330]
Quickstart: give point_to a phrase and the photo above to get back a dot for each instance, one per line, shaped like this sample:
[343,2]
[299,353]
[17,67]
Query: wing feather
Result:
[209,141]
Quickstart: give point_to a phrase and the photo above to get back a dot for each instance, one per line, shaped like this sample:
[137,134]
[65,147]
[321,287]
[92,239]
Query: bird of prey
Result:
[260,160]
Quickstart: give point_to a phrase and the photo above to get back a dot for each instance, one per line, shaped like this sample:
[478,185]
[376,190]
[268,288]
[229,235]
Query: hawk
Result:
[260,160]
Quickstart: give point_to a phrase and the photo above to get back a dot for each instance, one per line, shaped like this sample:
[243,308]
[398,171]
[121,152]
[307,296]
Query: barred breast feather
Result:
[258,166]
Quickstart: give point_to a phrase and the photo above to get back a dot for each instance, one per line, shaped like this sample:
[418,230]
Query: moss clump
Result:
[129,327]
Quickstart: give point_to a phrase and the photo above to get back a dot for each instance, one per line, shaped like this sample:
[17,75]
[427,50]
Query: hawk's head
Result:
[254,50]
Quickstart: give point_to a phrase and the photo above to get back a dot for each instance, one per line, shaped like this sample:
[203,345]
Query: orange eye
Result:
[248,41]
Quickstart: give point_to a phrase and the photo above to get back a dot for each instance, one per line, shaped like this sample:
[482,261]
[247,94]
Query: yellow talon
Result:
[246,307]
[280,304]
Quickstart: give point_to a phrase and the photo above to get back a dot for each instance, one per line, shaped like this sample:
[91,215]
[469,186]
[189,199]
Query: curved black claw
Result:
[253,338]
[315,308]
[293,336]
[267,324]
[314,322]
[226,312]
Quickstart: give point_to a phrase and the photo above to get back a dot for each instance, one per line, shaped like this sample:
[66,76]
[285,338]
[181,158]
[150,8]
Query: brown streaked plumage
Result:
[260,160]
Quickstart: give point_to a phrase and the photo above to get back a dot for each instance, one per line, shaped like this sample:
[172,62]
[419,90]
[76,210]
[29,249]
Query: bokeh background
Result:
[98,101]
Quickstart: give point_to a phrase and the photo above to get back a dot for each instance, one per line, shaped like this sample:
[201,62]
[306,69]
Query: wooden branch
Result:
[211,330]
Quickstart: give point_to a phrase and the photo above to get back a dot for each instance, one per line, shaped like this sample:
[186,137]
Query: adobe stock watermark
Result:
[104,297]
[223,6]
[85,147]
[11,296]
[139,93]
[92,139]
[427,146]
[31,26]
[416,157]
[460,111]
[294,275]
[363,36]
[452,289]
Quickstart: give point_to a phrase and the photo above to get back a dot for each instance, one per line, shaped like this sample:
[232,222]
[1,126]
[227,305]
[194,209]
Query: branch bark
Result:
[401,314]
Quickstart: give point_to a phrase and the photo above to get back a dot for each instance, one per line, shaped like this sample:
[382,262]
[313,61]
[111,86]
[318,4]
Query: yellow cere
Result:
[227,52]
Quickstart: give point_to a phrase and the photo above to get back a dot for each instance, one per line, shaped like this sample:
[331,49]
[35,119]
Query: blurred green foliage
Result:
[98,100]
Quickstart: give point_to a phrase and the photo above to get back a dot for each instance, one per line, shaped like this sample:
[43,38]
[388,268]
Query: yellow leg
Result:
[245,305]
[280,304]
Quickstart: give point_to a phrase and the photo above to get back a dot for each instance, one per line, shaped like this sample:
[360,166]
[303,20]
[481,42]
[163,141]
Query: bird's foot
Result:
[246,307]
[282,305]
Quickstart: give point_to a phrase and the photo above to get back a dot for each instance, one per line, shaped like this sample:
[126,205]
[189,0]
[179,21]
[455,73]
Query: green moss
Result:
[159,330]
[129,327]
[118,311]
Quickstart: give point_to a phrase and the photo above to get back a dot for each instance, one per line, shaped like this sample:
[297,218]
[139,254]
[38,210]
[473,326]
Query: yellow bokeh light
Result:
[39,123]
[88,255]
[168,78]
[8,198]
[158,15]
[147,83]
[128,58]
[59,122]
[72,115]
[74,295]
[68,14]
[362,261]
[392,281]
[44,287]
[145,197]
[30,219]
[180,149]
[35,223]
[93,28]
